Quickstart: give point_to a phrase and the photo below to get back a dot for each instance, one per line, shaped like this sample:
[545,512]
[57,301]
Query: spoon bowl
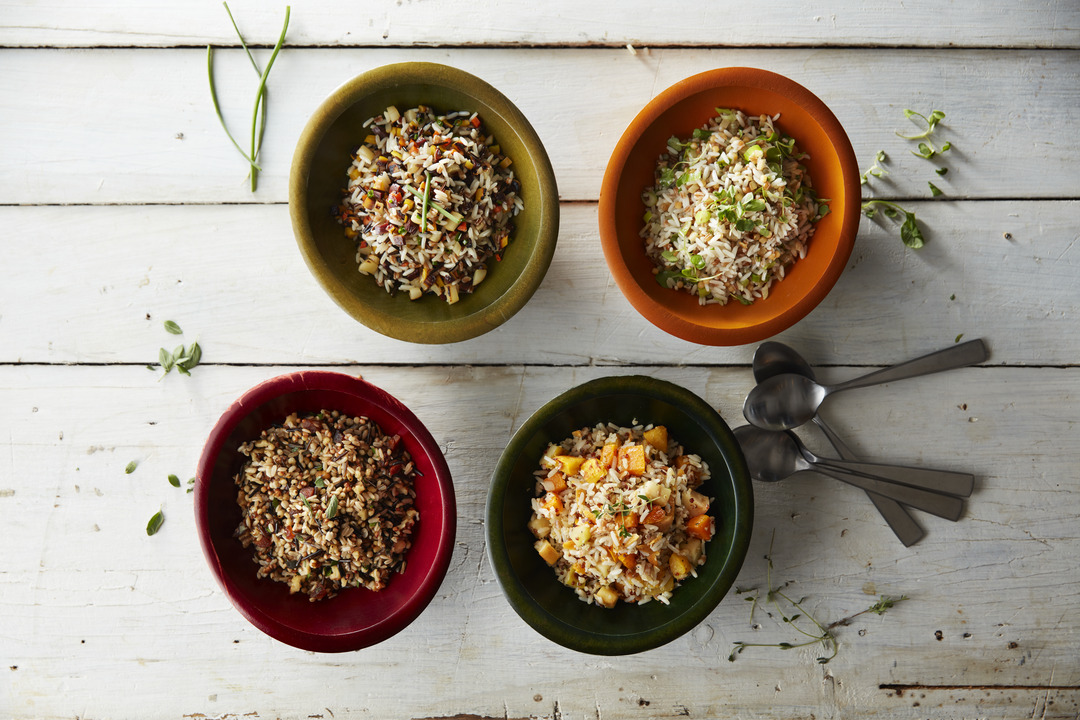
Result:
[783,402]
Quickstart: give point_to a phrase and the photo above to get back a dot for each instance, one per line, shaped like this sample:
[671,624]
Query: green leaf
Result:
[194,356]
[155,523]
[172,328]
[701,134]
[942,171]
[319,483]
[174,481]
[331,509]
[165,359]
[890,212]
[910,232]
[755,205]
[934,189]
[669,256]
[664,277]
[946,147]
[744,225]
[958,338]
[697,261]
[131,467]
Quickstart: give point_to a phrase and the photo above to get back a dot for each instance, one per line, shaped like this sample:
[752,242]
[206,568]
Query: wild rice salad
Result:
[327,502]
[617,515]
[731,209]
[430,199]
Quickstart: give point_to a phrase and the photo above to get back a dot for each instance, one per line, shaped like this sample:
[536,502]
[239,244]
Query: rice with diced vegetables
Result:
[430,200]
[327,503]
[731,209]
[617,514]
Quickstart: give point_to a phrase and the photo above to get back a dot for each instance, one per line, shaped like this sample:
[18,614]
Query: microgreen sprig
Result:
[910,232]
[258,116]
[875,170]
[926,149]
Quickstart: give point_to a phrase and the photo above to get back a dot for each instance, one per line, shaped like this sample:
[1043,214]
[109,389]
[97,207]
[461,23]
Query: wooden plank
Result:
[923,23]
[94,285]
[990,628]
[147,132]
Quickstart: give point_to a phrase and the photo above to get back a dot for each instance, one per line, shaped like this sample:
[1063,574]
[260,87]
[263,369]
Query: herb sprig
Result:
[819,633]
[910,233]
[183,358]
[258,116]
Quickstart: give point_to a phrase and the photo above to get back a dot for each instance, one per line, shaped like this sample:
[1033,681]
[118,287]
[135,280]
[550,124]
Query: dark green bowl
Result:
[322,159]
[530,586]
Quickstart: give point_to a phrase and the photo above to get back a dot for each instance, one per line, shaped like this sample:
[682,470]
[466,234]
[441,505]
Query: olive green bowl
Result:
[531,587]
[318,176]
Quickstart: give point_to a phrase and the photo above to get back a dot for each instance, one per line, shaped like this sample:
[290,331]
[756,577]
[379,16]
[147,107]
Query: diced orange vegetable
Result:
[551,500]
[634,458]
[679,566]
[547,552]
[592,471]
[657,437]
[654,516]
[556,483]
[570,463]
[629,520]
[607,597]
[607,454]
[700,527]
[629,560]
[475,121]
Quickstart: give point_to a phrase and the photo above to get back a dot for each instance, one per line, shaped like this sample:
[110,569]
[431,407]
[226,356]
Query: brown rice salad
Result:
[732,208]
[327,502]
[430,199]
[617,515]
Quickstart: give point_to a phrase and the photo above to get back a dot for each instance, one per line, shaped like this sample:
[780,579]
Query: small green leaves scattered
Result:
[191,485]
[942,171]
[155,523]
[910,232]
[174,481]
[885,603]
[934,189]
[331,509]
[182,358]
[172,328]
[875,170]
[131,467]
[958,338]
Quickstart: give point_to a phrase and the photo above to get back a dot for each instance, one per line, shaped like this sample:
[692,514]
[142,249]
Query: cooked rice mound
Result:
[327,503]
[732,208]
[430,200]
[617,515]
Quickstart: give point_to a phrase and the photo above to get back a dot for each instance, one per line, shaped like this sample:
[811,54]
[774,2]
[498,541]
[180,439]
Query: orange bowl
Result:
[680,109]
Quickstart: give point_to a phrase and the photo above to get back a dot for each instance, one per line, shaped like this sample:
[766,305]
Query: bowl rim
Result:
[656,312]
[579,639]
[485,318]
[428,586]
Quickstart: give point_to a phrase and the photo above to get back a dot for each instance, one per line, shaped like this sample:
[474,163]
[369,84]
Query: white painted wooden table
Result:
[122,205]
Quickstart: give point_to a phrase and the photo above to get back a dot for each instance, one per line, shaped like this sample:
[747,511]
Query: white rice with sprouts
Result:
[617,515]
[732,208]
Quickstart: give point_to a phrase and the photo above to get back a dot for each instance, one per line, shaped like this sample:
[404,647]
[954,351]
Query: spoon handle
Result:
[940,481]
[898,517]
[957,356]
[944,506]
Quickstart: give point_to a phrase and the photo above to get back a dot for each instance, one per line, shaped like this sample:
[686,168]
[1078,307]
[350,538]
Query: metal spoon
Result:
[773,456]
[775,358]
[789,400]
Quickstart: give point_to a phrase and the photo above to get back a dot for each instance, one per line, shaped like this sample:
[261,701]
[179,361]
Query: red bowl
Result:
[677,111]
[356,618]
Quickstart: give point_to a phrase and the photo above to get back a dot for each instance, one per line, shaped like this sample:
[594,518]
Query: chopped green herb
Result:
[931,122]
[953,296]
[155,523]
[131,467]
[172,328]
[958,338]
[331,509]
[174,481]
[934,189]
[319,483]
[942,171]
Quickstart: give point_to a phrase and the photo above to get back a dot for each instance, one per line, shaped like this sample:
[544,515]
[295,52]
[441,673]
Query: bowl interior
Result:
[322,159]
[531,586]
[356,617]
[678,111]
